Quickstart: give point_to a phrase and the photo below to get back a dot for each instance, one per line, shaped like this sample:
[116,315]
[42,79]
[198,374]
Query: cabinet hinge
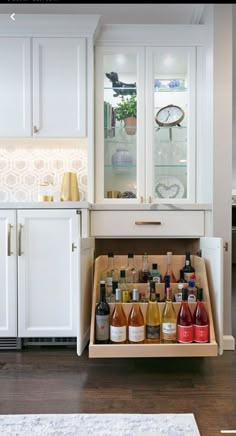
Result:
[77,211]
[226,246]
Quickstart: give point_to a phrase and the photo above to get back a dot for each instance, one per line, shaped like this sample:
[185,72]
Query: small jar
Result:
[45,191]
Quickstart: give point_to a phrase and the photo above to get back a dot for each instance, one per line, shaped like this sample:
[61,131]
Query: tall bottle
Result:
[200,320]
[144,274]
[136,324]
[131,271]
[169,270]
[118,322]
[152,317]
[168,320]
[184,321]
[188,269]
[110,274]
[102,314]
[123,287]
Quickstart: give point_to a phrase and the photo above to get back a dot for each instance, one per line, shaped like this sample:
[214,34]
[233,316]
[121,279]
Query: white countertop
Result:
[46,205]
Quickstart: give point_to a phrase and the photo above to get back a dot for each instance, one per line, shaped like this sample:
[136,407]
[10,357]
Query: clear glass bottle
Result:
[168,320]
[102,315]
[184,321]
[136,324]
[118,322]
[122,285]
[155,274]
[144,273]
[152,317]
[169,270]
[110,271]
[130,270]
[200,320]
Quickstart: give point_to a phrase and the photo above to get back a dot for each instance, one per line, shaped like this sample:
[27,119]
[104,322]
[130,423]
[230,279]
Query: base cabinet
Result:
[45,265]
[209,272]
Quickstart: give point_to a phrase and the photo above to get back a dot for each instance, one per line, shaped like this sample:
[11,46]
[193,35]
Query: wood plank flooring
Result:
[56,380]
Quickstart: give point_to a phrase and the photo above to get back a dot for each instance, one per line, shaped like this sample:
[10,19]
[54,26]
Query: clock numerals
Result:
[170,115]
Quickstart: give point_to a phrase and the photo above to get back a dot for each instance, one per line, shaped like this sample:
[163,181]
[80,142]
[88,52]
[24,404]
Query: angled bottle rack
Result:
[154,350]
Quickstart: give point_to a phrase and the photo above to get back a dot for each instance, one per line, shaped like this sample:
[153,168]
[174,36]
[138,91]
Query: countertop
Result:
[46,205]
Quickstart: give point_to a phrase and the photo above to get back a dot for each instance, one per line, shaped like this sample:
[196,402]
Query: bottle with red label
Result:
[200,320]
[184,321]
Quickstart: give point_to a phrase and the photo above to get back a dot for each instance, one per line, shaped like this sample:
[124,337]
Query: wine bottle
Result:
[152,317]
[123,287]
[102,314]
[144,273]
[136,324]
[118,322]
[200,320]
[155,275]
[130,270]
[169,270]
[181,277]
[184,321]
[168,320]
[188,269]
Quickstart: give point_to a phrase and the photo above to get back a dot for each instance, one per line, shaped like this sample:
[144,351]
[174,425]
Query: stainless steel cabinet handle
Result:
[9,227]
[141,199]
[35,129]
[19,239]
[73,246]
[144,223]
[150,199]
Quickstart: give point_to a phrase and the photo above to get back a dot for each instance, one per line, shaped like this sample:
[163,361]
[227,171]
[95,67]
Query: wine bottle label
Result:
[153,331]
[156,279]
[192,298]
[117,334]
[125,296]
[200,333]
[102,327]
[169,331]
[136,334]
[185,334]
[187,263]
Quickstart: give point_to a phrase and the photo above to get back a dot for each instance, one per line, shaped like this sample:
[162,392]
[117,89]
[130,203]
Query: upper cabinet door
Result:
[170,124]
[59,79]
[120,144]
[15,86]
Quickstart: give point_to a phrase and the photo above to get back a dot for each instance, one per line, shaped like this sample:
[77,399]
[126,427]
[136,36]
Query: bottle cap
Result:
[200,294]
[135,294]
[114,286]
[130,255]
[118,294]
[154,266]
[110,254]
[122,273]
[102,282]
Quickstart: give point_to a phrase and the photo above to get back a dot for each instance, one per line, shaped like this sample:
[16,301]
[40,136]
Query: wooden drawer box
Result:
[153,350]
[153,224]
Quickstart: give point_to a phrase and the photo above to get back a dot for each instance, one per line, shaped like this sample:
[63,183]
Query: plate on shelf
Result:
[169,187]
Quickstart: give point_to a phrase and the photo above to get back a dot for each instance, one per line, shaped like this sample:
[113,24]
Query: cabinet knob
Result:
[73,246]
[35,129]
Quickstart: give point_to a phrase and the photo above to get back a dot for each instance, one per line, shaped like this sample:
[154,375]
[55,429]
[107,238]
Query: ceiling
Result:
[163,13]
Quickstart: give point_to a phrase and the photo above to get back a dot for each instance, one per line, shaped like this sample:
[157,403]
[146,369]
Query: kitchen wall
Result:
[26,162]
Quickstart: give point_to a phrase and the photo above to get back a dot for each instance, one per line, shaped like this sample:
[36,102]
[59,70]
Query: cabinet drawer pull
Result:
[19,239]
[73,246]
[35,129]
[144,223]
[9,227]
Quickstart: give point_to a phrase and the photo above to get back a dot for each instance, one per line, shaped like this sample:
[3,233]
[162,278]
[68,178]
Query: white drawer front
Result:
[147,223]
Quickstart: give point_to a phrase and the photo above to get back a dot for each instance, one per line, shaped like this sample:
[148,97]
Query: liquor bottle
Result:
[131,271]
[169,270]
[144,273]
[102,314]
[181,277]
[155,275]
[118,322]
[188,269]
[136,324]
[152,317]
[168,320]
[110,271]
[122,285]
[192,291]
[200,320]
[184,321]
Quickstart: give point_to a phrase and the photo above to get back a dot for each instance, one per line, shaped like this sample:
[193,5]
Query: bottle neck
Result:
[145,263]
[110,262]
[102,293]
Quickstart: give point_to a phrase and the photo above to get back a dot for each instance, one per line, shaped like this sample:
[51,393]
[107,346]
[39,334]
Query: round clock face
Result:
[170,116]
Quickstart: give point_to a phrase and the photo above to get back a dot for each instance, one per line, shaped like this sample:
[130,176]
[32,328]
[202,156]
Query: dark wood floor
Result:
[56,380]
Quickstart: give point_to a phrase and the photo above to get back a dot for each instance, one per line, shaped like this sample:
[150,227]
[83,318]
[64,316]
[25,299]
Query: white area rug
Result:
[99,425]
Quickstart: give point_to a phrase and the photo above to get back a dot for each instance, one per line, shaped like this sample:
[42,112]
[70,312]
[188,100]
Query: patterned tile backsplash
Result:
[26,163]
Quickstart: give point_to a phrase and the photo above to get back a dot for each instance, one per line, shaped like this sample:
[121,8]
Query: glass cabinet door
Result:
[119,132]
[170,122]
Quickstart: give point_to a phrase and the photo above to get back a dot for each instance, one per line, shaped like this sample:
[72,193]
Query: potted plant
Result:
[126,110]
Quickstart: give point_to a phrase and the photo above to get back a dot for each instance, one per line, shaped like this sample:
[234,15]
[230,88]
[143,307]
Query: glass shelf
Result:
[170,89]
[122,88]
[120,166]
[167,127]
[171,166]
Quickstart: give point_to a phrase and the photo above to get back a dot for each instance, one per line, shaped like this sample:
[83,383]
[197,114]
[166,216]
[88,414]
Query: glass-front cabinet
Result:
[145,124]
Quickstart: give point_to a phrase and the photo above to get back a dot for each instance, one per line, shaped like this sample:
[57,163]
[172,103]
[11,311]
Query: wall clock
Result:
[169,116]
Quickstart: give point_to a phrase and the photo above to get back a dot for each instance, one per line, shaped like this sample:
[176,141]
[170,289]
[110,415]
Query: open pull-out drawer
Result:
[154,350]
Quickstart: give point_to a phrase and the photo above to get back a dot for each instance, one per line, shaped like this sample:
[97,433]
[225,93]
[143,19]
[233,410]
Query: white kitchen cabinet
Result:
[43,87]
[8,274]
[46,271]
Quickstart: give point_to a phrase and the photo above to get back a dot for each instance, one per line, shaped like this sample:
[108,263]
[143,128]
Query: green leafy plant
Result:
[126,108]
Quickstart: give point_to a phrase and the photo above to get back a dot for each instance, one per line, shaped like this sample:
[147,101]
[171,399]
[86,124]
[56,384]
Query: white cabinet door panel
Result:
[8,284]
[15,87]
[48,272]
[59,68]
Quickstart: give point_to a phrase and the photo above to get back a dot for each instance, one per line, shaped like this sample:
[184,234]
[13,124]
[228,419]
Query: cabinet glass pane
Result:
[171,121]
[120,130]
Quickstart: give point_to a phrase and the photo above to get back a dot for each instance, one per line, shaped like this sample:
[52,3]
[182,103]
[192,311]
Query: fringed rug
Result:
[84,424]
